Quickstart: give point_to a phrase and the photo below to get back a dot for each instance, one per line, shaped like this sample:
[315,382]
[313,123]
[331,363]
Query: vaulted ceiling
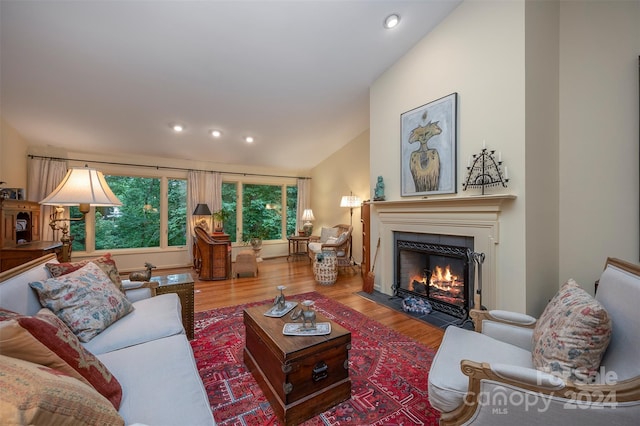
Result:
[112,76]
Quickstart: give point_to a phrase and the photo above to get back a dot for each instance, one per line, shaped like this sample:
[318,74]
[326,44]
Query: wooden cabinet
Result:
[212,256]
[20,234]
[365,219]
[20,222]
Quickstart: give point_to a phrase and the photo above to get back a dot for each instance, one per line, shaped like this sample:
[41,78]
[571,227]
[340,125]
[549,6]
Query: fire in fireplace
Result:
[440,284]
[442,274]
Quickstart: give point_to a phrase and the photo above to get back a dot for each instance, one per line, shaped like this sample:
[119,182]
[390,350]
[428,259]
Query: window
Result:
[154,213]
[229,197]
[261,212]
[177,214]
[76,230]
[262,215]
[292,208]
[137,223]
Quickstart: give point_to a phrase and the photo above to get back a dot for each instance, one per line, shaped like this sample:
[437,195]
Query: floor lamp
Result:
[350,201]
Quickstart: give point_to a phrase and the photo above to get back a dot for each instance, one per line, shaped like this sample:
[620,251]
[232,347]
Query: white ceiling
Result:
[110,76]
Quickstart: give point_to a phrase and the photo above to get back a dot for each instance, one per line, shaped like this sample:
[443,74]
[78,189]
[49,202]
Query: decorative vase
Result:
[325,268]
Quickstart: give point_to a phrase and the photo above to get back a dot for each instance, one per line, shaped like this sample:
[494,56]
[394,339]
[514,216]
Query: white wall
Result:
[13,157]
[599,49]
[345,171]
[478,52]
[554,86]
[542,156]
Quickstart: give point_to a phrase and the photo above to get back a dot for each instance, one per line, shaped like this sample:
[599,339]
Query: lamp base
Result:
[307,228]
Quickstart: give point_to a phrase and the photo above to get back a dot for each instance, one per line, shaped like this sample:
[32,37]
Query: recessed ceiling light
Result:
[216,133]
[249,139]
[391,21]
[178,128]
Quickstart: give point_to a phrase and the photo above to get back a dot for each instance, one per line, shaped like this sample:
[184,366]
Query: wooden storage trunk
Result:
[301,376]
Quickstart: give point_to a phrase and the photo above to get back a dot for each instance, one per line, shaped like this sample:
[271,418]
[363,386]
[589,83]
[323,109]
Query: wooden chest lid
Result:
[270,330]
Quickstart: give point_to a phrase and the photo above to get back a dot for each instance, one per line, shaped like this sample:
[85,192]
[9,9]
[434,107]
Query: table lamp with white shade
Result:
[307,216]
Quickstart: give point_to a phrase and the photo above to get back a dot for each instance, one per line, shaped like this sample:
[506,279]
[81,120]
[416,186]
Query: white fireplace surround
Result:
[475,216]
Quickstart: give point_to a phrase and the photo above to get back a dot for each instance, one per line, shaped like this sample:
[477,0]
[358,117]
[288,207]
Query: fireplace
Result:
[441,273]
[475,218]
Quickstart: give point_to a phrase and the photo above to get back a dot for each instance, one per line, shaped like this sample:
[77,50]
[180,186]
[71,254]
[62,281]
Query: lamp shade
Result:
[82,185]
[350,201]
[202,210]
[307,215]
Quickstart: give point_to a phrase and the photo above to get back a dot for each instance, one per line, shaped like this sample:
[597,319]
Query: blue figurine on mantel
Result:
[379,191]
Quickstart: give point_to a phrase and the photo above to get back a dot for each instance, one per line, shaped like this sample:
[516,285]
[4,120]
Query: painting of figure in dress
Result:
[428,138]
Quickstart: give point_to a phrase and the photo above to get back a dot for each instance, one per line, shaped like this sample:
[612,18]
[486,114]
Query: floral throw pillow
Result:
[571,335]
[106,263]
[342,238]
[86,300]
[44,339]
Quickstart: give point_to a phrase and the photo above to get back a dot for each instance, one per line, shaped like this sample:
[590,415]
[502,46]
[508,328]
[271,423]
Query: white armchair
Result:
[488,376]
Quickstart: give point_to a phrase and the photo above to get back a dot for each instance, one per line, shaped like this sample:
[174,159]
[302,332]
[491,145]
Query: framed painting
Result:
[428,138]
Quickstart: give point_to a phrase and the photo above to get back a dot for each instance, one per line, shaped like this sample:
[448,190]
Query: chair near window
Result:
[212,257]
[338,239]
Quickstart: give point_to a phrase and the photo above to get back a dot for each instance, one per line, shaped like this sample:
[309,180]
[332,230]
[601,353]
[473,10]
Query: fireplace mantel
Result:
[487,203]
[471,216]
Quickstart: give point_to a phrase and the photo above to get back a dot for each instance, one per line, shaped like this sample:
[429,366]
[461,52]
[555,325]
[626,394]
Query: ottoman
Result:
[246,264]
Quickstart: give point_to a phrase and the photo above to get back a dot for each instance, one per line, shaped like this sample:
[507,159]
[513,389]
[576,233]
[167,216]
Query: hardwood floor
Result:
[297,276]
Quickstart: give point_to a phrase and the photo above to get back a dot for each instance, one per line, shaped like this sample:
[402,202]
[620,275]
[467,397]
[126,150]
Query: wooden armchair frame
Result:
[548,386]
[346,245]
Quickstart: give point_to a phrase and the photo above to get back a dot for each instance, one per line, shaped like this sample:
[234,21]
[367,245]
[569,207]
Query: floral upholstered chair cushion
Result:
[86,300]
[571,335]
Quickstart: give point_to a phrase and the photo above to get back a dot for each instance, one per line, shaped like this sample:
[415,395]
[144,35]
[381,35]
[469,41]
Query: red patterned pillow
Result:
[106,263]
[44,339]
[32,394]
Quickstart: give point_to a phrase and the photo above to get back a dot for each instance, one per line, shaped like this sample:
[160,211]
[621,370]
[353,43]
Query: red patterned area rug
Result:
[388,371]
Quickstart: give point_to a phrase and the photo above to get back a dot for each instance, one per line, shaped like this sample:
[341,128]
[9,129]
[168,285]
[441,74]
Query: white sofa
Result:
[147,351]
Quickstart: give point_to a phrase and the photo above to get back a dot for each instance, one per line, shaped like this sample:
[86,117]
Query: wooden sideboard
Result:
[17,254]
[20,234]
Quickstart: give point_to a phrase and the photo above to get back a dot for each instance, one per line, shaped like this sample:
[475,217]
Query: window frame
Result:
[163,174]
[240,181]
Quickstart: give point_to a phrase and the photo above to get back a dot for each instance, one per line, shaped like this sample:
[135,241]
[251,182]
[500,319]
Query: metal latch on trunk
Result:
[320,371]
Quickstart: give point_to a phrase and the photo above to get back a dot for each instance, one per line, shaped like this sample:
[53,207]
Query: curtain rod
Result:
[165,167]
